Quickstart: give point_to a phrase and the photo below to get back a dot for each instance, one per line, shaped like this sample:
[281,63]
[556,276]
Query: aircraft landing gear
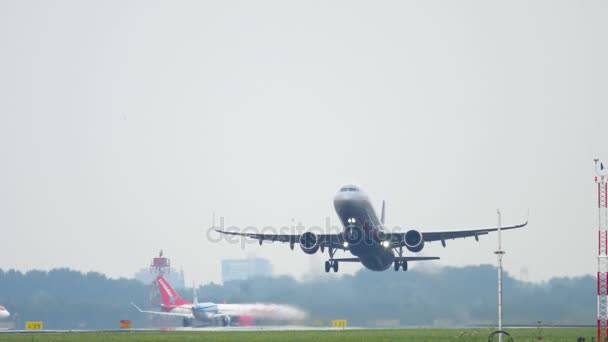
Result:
[400,263]
[331,263]
[187,322]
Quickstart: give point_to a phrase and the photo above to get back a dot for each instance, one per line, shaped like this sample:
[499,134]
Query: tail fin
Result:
[168,294]
[382,217]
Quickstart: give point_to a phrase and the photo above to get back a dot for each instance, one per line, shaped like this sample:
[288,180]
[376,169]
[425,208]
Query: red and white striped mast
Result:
[602,255]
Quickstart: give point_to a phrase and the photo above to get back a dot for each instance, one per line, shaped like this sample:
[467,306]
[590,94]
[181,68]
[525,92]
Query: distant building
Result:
[243,269]
[175,278]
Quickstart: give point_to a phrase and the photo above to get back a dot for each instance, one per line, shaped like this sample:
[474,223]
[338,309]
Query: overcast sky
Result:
[125,124]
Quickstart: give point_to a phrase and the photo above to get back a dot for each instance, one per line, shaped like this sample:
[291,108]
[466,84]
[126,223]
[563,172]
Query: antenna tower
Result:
[602,255]
[499,253]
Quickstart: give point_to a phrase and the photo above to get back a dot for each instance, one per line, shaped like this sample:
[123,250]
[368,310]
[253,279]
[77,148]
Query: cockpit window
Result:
[345,189]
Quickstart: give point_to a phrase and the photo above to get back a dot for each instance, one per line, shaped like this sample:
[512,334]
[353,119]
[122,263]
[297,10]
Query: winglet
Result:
[213,226]
[526,221]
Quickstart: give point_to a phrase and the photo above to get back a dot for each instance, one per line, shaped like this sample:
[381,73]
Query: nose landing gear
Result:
[187,322]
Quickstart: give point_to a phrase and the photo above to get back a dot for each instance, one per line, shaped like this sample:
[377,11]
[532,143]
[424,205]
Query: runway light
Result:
[345,244]
[386,244]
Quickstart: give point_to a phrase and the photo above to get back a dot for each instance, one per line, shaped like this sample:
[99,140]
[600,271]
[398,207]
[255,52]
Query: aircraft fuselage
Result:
[362,228]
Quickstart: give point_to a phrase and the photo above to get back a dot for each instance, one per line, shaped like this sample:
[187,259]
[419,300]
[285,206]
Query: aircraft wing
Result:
[326,240]
[451,235]
[162,313]
[337,240]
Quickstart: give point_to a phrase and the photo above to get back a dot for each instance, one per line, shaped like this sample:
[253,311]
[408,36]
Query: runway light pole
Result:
[499,253]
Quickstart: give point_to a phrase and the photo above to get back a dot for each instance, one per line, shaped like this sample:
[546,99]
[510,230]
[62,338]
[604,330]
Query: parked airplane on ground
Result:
[364,236]
[3,312]
[217,314]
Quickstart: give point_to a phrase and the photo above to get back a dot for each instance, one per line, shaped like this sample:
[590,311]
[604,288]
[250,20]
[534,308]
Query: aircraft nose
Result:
[341,197]
[348,199]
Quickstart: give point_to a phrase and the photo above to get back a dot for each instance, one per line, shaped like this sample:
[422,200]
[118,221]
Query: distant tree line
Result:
[66,299]
[459,296]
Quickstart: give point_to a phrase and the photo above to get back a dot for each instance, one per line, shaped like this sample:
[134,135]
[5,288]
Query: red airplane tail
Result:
[168,294]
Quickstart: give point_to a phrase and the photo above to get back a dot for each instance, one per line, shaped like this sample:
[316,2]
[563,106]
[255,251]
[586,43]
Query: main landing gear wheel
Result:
[331,264]
[400,264]
[187,322]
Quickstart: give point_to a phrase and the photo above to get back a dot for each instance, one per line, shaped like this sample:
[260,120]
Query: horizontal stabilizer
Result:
[412,258]
[162,313]
[347,259]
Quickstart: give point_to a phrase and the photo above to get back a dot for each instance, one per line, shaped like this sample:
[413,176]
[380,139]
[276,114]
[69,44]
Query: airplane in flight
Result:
[3,312]
[217,314]
[365,237]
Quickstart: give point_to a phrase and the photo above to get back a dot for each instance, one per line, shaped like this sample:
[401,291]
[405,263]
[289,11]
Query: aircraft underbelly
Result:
[359,219]
[376,259]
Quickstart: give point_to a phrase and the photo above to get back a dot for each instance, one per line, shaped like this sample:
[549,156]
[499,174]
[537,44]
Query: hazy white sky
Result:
[124,125]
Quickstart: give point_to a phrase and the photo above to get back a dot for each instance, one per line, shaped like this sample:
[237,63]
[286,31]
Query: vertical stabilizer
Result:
[168,294]
[194,295]
[382,215]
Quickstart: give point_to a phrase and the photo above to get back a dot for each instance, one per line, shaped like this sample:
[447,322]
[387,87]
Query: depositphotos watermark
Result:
[250,235]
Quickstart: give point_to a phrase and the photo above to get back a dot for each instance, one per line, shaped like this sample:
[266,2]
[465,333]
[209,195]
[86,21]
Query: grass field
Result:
[557,334]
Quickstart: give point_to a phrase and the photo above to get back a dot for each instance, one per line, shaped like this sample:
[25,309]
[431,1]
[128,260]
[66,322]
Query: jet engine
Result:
[413,241]
[309,242]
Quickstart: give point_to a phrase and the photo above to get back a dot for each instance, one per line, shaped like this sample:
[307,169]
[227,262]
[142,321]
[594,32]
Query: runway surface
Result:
[266,328]
[222,329]
[269,328]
